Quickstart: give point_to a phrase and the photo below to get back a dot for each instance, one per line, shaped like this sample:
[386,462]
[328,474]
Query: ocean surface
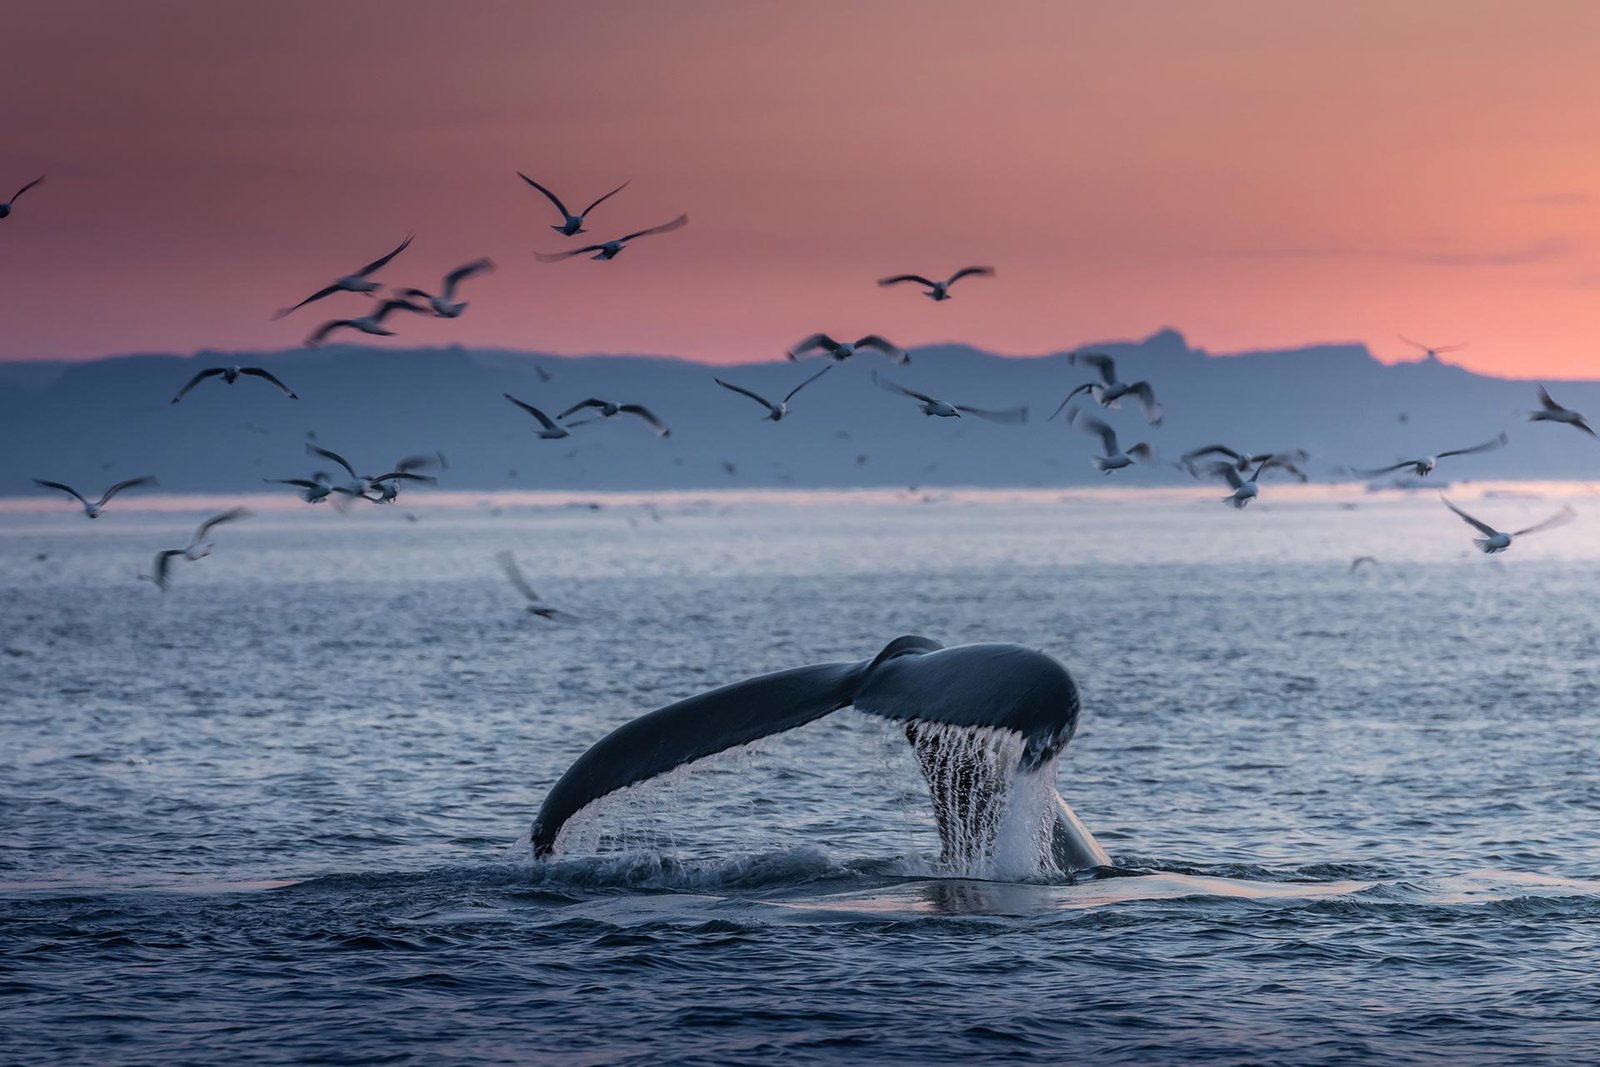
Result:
[280,814]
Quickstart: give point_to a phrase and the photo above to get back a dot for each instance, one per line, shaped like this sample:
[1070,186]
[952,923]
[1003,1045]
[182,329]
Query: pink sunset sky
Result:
[1256,174]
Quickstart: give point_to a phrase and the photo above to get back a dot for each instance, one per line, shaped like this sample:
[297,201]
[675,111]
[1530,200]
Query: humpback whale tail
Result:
[986,722]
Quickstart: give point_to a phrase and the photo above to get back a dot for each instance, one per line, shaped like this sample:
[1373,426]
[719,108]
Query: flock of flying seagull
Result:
[1241,470]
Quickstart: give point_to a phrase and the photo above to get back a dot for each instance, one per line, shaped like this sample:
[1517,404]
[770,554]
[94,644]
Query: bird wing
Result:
[1219,450]
[592,402]
[1545,399]
[64,488]
[1227,471]
[162,567]
[381,260]
[196,380]
[884,383]
[508,563]
[898,278]
[321,333]
[1144,450]
[411,463]
[396,305]
[807,382]
[1378,472]
[608,196]
[757,397]
[462,273]
[303,483]
[964,272]
[318,295]
[1560,518]
[217,520]
[1009,415]
[1482,527]
[556,257]
[648,416]
[25,188]
[666,227]
[1147,400]
[423,293]
[552,197]
[404,475]
[318,450]
[1103,363]
[1080,389]
[1413,344]
[1108,436]
[816,340]
[1487,446]
[120,486]
[544,420]
[269,376]
[884,345]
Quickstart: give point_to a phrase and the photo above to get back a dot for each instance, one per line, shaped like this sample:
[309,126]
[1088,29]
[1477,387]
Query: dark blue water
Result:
[276,817]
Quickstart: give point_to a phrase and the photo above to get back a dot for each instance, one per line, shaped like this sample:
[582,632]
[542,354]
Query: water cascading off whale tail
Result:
[986,722]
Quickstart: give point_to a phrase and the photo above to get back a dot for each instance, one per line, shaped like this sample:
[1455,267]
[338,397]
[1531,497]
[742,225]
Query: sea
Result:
[279,814]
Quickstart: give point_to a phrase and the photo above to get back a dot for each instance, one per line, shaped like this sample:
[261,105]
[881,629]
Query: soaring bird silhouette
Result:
[231,375]
[93,510]
[839,351]
[359,282]
[444,305]
[570,223]
[5,208]
[609,249]
[938,291]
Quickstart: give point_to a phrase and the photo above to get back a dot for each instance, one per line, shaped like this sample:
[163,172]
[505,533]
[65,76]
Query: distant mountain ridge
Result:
[92,422]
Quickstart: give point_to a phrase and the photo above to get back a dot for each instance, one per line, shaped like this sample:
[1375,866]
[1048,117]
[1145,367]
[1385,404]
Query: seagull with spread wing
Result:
[5,208]
[938,291]
[945,410]
[839,351]
[1244,489]
[1108,391]
[93,510]
[445,305]
[359,282]
[570,223]
[372,324]
[1115,458]
[1433,351]
[609,249]
[1494,540]
[197,548]
[550,429]
[231,375]
[1550,411]
[1424,466]
[536,604]
[608,410]
[775,412]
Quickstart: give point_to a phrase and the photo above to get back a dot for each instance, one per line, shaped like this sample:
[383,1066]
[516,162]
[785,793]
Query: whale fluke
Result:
[977,717]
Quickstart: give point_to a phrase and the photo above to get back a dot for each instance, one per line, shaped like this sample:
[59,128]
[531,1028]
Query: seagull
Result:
[197,548]
[775,412]
[1356,563]
[363,484]
[350,283]
[944,410]
[313,490]
[1424,466]
[840,352]
[609,249]
[1432,353]
[1553,412]
[1494,540]
[938,290]
[536,604]
[551,431]
[93,510]
[442,304]
[1108,390]
[231,375]
[372,323]
[1244,490]
[608,410]
[5,208]
[1114,459]
[1243,461]
[571,224]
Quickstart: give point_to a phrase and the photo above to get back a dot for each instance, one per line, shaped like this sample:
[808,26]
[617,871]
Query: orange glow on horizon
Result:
[1254,174]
